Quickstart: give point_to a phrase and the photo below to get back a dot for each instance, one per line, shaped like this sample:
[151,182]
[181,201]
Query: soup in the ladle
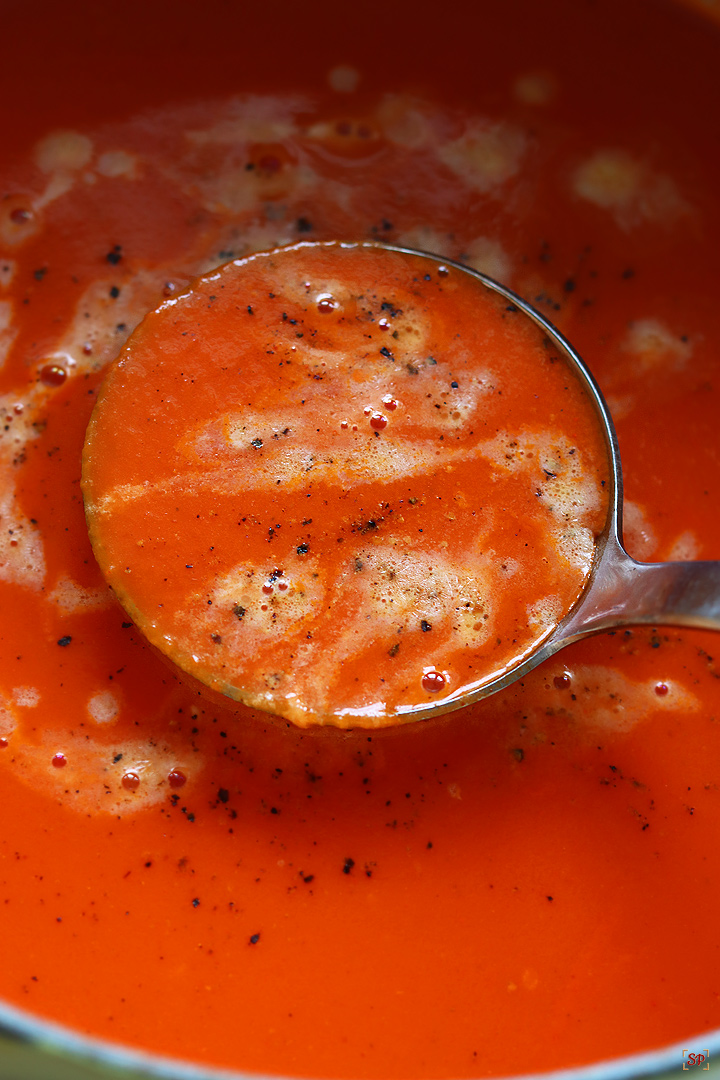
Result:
[338,482]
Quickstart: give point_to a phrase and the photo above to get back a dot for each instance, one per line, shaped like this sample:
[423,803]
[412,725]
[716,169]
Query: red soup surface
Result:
[524,884]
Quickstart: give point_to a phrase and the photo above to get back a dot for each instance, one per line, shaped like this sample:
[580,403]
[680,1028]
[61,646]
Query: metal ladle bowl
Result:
[619,591]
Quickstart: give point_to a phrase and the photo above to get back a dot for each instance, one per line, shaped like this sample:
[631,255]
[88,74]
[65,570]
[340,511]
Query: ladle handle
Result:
[626,593]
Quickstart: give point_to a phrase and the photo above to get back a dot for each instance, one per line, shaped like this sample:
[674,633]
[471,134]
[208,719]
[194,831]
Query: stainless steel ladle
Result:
[620,591]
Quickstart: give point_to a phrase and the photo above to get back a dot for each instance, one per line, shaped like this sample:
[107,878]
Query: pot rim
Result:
[56,1040]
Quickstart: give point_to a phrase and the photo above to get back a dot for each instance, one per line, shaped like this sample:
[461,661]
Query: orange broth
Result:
[525,884]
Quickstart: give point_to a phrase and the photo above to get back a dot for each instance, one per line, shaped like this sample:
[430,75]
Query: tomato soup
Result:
[524,884]
[339,505]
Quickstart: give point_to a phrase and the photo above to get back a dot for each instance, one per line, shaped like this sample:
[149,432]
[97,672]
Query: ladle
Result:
[175,388]
[620,591]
